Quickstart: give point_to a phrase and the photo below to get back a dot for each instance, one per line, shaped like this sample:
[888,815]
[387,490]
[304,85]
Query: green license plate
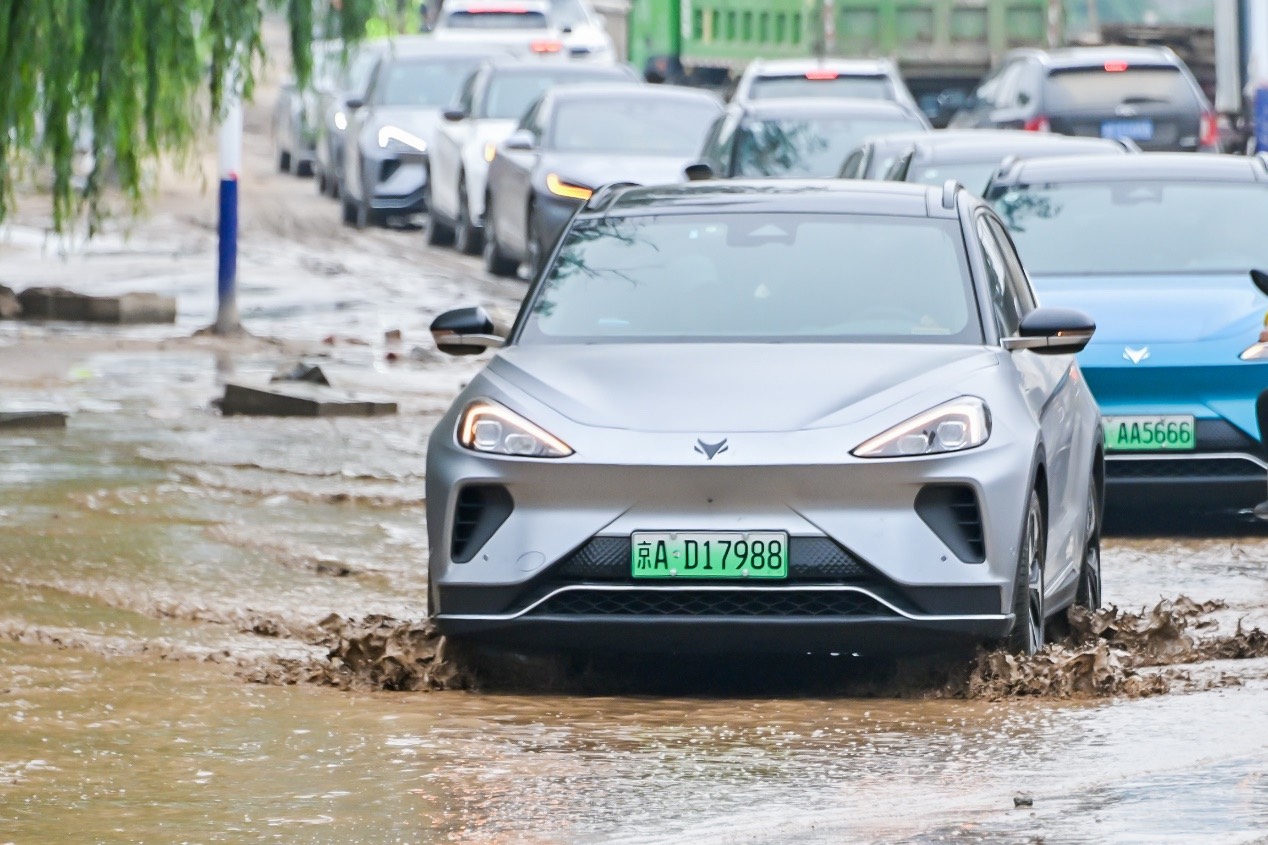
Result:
[1174,433]
[709,554]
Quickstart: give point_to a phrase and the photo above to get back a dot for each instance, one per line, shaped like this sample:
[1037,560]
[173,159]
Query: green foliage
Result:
[130,79]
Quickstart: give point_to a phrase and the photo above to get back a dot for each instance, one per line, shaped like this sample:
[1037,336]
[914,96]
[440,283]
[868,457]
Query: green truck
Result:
[943,46]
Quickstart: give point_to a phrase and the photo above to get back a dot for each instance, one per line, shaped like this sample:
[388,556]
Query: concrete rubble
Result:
[54,303]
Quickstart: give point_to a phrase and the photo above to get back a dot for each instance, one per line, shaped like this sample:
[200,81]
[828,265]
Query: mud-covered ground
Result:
[211,628]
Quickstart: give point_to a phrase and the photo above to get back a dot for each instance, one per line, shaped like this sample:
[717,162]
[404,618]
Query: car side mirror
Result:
[354,103]
[454,115]
[1053,331]
[521,139]
[465,331]
[1260,278]
[698,172]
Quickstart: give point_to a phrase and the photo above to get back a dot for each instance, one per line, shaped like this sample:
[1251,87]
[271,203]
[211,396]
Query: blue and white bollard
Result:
[230,165]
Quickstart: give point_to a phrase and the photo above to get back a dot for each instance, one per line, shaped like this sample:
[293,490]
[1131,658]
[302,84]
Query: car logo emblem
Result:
[711,450]
[1136,355]
[1126,111]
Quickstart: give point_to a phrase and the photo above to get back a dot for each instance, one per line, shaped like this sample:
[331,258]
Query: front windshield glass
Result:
[1137,227]
[493,19]
[756,277]
[510,94]
[633,125]
[424,83]
[862,87]
[811,147]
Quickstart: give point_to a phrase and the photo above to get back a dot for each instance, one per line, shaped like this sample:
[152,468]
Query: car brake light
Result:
[1209,134]
[821,74]
[546,46]
[1115,67]
[1037,124]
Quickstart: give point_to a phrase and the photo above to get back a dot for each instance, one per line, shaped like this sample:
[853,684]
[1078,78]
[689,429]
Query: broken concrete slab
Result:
[295,399]
[62,304]
[32,419]
[310,373]
[10,306]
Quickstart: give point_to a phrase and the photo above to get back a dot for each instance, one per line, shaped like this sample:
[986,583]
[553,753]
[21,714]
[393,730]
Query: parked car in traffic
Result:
[294,123]
[350,81]
[1143,94]
[869,79]
[574,140]
[972,156]
[491,103]
[708,432]
[1163,250]
[564,28]
[798,137]
[390,131]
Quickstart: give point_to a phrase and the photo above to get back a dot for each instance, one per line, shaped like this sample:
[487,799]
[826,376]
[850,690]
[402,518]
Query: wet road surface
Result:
[158,558]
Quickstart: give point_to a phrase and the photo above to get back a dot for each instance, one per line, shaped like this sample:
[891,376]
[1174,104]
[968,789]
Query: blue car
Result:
[1165,252]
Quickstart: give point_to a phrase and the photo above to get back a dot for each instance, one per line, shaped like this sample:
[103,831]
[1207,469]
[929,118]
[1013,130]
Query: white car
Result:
[490,105]
[868,79]
[566,28]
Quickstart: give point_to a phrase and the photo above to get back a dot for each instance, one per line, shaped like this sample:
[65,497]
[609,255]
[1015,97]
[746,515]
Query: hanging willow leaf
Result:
[126,80]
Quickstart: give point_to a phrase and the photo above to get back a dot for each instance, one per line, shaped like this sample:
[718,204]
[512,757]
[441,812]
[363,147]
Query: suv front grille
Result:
[1183,469]
[710,603]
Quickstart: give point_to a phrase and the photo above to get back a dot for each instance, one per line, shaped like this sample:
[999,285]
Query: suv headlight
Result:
[489,427]
[951,427]
[399,140]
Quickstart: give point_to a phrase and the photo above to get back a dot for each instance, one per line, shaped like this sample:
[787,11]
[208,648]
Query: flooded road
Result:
[159,563]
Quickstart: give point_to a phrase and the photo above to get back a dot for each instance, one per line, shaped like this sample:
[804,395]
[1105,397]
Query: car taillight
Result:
[1209,133]
[1038,124]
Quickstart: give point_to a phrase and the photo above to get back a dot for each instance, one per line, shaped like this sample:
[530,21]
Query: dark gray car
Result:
[390,132]
[1144,94]
[575,140]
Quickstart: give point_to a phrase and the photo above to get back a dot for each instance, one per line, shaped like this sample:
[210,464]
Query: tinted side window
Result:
[1003,299]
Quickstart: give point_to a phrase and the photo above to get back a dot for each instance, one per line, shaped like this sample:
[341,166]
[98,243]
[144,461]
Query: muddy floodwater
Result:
[182,596]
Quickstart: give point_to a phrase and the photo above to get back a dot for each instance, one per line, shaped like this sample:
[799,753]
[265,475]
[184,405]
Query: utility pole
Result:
[230,167]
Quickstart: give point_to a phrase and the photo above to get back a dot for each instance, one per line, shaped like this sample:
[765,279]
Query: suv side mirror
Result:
[698,172]
[521,139]
[353,103]
[454,115]
[465,331]
[1053,331]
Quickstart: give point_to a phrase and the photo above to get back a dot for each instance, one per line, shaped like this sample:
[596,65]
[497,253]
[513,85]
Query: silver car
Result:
[769,416]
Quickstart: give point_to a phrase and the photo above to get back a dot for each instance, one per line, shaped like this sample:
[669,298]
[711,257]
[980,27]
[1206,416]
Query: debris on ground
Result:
[294,399]
[10,306]
[1023,799]
[33,419]
[55,303]
[310,373]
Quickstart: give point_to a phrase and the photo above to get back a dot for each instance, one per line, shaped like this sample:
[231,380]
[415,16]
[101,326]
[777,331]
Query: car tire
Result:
[439,233]
[466,235]
[349,210]
[283,161]
[1027,636]
[536,250]
[1088,593]
[323,184]
[494,260]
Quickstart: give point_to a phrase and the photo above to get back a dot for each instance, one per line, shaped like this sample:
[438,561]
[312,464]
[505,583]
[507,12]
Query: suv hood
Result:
[596,169]
[671,387]
[1161,309]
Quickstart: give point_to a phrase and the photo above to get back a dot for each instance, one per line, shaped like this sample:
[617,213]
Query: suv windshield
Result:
[633,125]
[1137,227]
[756,277]
[1096,88]
[427,83]
[814,85]
[813,147]
[511,93]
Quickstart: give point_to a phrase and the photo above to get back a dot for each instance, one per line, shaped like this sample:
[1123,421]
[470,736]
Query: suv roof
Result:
[991,143]
[877,67]
[512,62]
[783,195]
[585,90]
[1068,58]
[1144,167]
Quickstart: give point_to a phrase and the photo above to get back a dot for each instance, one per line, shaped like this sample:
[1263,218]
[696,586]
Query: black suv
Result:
[1143,94]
